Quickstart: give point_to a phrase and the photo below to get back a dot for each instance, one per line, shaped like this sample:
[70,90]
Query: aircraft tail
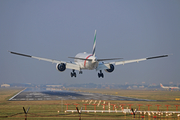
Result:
[161,85]
[94,44]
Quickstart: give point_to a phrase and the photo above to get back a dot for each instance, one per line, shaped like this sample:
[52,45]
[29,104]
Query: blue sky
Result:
[58,29]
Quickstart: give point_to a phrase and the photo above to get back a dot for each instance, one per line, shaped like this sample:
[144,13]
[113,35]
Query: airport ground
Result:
[54,109]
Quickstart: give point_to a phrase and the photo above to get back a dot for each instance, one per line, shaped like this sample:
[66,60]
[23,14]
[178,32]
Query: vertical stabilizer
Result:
[161,85]
[94,44]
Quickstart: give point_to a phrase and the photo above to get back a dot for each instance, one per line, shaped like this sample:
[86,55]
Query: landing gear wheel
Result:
[80,72]
[73,73]
[100,74]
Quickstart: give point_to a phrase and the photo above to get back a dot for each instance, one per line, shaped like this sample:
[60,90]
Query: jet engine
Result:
[61,67]
[111,68]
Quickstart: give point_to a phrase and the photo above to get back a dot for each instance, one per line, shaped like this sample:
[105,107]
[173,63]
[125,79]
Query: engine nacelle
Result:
[111,68]
[61,67]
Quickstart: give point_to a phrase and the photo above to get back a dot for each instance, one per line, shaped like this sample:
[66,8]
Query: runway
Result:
[36,94]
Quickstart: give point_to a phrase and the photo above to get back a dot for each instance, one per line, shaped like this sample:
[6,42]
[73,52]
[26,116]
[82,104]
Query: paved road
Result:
[30,94]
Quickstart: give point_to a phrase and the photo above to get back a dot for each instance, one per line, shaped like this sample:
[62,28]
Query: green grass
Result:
[49,109]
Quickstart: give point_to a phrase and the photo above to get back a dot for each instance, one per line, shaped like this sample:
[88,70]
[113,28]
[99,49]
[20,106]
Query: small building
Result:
[141,86]
[5,85]
[57,86]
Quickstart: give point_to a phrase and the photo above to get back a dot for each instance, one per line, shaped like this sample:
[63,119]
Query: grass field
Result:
[49,109]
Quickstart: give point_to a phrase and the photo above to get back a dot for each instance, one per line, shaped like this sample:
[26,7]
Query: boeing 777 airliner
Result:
[88,61]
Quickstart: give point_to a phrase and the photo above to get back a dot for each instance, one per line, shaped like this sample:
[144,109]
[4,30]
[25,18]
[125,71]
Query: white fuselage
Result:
[165,87]
[85,64]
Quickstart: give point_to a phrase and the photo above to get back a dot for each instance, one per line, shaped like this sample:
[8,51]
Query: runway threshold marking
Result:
[17,94]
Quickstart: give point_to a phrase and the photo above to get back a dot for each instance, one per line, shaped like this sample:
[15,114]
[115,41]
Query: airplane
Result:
[88,61]
[166,87]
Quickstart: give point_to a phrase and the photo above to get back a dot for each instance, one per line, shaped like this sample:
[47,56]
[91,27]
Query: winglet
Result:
[94,44]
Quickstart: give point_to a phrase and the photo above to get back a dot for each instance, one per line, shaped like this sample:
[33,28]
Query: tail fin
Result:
[161,85]
[94,44]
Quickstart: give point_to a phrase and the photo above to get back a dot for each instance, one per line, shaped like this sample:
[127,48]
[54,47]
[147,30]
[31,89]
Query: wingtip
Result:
[157,57]
[10,52]
[20,54]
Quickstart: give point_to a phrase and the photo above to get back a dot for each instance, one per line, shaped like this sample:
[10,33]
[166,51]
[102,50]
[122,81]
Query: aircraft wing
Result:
[103,66]
[69,65]
[138,60]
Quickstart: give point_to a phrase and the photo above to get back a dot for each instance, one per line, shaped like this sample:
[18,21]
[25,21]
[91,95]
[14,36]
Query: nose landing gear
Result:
[100,74]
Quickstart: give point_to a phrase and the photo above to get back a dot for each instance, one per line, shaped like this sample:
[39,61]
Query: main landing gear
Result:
[80,72]
[100,74]
[73,73]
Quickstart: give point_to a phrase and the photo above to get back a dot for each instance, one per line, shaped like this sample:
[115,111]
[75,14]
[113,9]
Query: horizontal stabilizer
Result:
[80,58]
[109,59]
[97,59]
